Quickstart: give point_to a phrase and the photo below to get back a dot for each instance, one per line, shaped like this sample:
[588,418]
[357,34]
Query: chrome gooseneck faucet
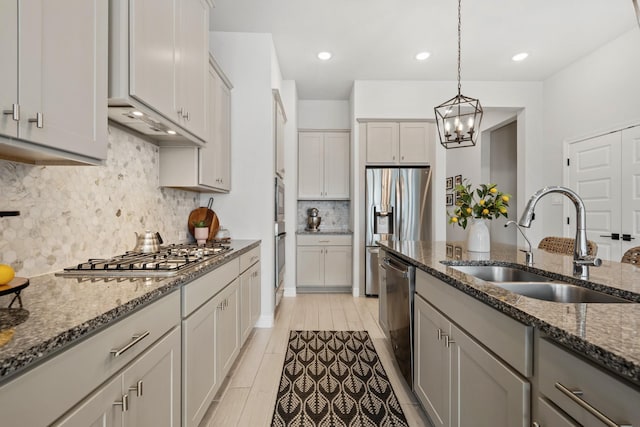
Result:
[581,260]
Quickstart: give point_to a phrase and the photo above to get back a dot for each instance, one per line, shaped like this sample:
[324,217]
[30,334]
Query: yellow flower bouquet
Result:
[486,202]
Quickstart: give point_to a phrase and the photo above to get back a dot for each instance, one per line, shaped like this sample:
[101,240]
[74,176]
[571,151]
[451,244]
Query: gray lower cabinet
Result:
[549,416]
[324,261]
[250,297]
[147,393]
[582,391]
[458,381]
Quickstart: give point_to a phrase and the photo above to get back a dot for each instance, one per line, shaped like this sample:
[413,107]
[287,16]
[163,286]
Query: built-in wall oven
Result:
[280,238]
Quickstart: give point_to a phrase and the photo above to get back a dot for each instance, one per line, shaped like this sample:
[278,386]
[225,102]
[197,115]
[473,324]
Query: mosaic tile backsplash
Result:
[334,213]
[71,213]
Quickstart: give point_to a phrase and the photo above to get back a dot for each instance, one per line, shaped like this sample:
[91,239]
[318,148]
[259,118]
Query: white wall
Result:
[323,114]
[248,210]
[594,95]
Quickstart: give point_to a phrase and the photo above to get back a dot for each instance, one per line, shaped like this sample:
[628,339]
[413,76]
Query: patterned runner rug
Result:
[334,379]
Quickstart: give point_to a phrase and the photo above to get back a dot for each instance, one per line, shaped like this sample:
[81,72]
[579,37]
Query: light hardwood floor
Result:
[248,396]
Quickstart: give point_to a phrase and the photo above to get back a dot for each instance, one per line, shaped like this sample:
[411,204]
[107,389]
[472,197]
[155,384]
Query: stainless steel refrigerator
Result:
[397,208]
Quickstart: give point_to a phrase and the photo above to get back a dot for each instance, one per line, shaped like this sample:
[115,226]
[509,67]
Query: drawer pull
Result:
[574,395]
[323,241]
[134,340]
[124,403]
[137,388]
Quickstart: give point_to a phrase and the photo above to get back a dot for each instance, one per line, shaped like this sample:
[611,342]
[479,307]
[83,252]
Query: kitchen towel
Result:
[334,378]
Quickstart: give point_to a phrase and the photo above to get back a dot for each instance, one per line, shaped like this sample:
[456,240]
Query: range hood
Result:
[151,124]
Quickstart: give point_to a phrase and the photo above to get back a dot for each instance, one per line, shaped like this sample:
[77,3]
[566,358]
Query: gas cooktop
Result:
[169,261]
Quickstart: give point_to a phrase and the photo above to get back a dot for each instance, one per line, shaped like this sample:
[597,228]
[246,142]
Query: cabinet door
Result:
[209,155]
[336,165]
[256,293]
[246,279]
[432,368]
[192,62]
[223,126]
[153,384]
[63,75]
[227,328]
[485,392]
[310,266]
[99,409]
[337,266]
[152,46]
[199,380]
[310,165]
[382,143]
[9,49]
[416,141]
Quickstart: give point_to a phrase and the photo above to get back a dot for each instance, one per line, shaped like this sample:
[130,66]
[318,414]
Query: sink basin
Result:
[560,292]
[499,273]
[534,285]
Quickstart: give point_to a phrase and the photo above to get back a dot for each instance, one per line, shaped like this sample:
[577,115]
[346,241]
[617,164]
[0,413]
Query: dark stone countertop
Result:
[607,334]
[58,311]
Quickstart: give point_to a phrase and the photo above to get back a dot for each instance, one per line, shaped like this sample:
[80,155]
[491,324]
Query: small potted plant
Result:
[201,231]
[484,203]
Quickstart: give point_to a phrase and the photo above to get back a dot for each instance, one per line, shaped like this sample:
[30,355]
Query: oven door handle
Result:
[404,273]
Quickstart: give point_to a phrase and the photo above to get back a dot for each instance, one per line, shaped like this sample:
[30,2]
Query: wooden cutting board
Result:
[206,214]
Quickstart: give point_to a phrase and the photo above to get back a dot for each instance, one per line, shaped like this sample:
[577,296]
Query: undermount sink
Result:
[500,273]
[534,285]
[560,292]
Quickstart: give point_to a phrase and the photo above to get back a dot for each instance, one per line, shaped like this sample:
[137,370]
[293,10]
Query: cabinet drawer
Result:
[549,416]
[56,385]
[605,393]
[196,293]
[507,338]
[324,240]
[249,258]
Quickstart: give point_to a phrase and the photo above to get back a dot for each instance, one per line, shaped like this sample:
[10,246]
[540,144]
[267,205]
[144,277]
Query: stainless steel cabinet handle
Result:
[535,424]
[134,340]
[124,403]
[440,334]
[323,241]
[38,120]
[187,116]
[14,112]
[574,395]
[137,388]
[448,341]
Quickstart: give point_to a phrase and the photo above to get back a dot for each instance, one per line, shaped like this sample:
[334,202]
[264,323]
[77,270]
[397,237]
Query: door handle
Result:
[614,236]
[38,120]
[627,237]
[14,112]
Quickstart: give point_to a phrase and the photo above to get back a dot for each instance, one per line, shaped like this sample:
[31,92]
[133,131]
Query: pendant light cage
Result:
[459,118]
[458,121]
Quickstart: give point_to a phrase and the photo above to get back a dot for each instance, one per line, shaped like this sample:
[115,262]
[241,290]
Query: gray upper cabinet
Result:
[167,91]
[53,94]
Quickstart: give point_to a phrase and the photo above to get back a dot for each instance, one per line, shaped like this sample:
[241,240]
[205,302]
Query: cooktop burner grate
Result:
[169,261]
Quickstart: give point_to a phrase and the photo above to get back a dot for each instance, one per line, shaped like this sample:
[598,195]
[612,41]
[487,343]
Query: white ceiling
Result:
[378,39]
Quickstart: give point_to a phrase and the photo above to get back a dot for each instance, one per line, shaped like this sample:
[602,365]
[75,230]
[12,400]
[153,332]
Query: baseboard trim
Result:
[324,290]
[289,292]
[356,292]
[265,321]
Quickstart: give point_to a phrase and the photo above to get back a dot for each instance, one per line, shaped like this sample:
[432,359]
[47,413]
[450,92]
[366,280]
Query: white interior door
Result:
[630,172]
[594,173]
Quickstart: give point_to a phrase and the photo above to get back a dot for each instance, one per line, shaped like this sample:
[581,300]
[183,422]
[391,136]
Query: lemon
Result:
[493,190]
[6,274]
[454,219]
[469,210]
[485,211]
[505,198]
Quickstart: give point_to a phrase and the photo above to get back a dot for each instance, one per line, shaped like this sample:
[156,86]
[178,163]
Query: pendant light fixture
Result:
[459,118]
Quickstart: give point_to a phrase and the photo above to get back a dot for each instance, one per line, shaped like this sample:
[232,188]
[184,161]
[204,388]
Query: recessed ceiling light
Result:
[422,56]
[325,56]
[137,113]
[520,56]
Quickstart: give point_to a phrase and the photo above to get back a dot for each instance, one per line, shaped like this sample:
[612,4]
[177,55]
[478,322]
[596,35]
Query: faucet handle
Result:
[588,260]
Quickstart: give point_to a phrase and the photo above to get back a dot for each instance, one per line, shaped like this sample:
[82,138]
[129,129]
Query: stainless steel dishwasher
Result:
[400,287]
